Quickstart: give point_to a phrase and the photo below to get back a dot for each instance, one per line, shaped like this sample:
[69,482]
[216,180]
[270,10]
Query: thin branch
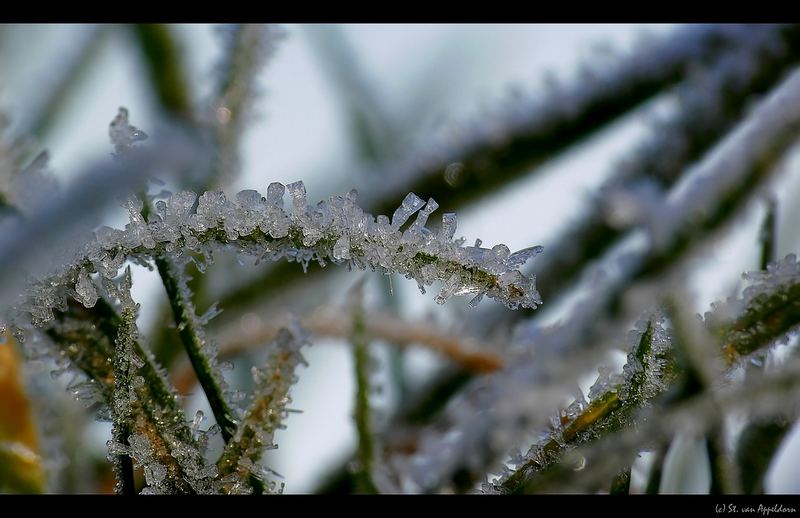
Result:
[333,322]
[765,395]
[526,136]
[603,410]
[268,408]
[621,485]
[196,344]
[710,103]
[121,409]
[246,51]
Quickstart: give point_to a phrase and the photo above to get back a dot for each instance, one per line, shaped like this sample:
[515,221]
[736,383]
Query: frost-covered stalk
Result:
[201,352]
[160,441]
[266,412]
[743,325]
[613,401]
[484,155]
[162,59]
[468,163]
[479,356]
[336,231]
[708,104]
[124,395]
[768,236]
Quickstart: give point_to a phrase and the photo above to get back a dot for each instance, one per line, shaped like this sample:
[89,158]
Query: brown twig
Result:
[330,322]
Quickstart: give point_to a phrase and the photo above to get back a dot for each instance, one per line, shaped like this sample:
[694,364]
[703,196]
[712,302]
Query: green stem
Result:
[364,454]
[121,407]
[162,59]
[769,231]
[194,343]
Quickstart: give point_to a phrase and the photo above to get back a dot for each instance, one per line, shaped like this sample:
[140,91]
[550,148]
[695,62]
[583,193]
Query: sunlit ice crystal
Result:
[297,191]
[449,225]
[411,204]
[275,192]
[341,250]
[334,230]
[520,257]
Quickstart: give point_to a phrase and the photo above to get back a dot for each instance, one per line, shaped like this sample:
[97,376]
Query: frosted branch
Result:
[201,351]
[266,412]
[336,231]
[708,104]
[470,160]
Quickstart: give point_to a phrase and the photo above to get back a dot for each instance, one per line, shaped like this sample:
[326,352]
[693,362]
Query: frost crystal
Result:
[86,290]
[268,406]
[335,230]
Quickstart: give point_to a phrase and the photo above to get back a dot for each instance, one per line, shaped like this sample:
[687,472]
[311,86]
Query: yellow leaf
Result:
[20,463]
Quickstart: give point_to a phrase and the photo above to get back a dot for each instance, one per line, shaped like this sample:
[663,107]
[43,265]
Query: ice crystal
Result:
[773,291]
[336,230]
[268,405]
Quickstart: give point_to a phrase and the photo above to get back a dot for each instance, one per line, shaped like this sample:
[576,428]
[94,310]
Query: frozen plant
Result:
[506,408]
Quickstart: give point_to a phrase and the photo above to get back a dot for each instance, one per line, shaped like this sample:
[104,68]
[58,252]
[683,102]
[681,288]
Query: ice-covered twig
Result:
[498,151]
[201,351]
[336,231]
[493,151]
[58,224]
[124,395]
[709,103]
[362,414]
[766,307]
[767,394]
[266,412]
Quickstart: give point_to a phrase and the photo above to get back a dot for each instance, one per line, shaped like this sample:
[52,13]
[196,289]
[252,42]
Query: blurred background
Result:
[357,106]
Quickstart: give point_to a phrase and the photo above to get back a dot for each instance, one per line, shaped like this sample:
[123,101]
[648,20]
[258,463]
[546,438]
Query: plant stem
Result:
[769,231]
[362,415]
[162,59]
[194,343]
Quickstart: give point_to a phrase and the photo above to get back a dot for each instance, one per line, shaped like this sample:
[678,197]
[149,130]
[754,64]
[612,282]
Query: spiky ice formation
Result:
[335,230]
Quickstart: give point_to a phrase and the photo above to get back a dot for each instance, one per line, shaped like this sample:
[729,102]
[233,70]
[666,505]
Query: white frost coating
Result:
[266,412]
[774,120]
[779,280]
[336,230]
